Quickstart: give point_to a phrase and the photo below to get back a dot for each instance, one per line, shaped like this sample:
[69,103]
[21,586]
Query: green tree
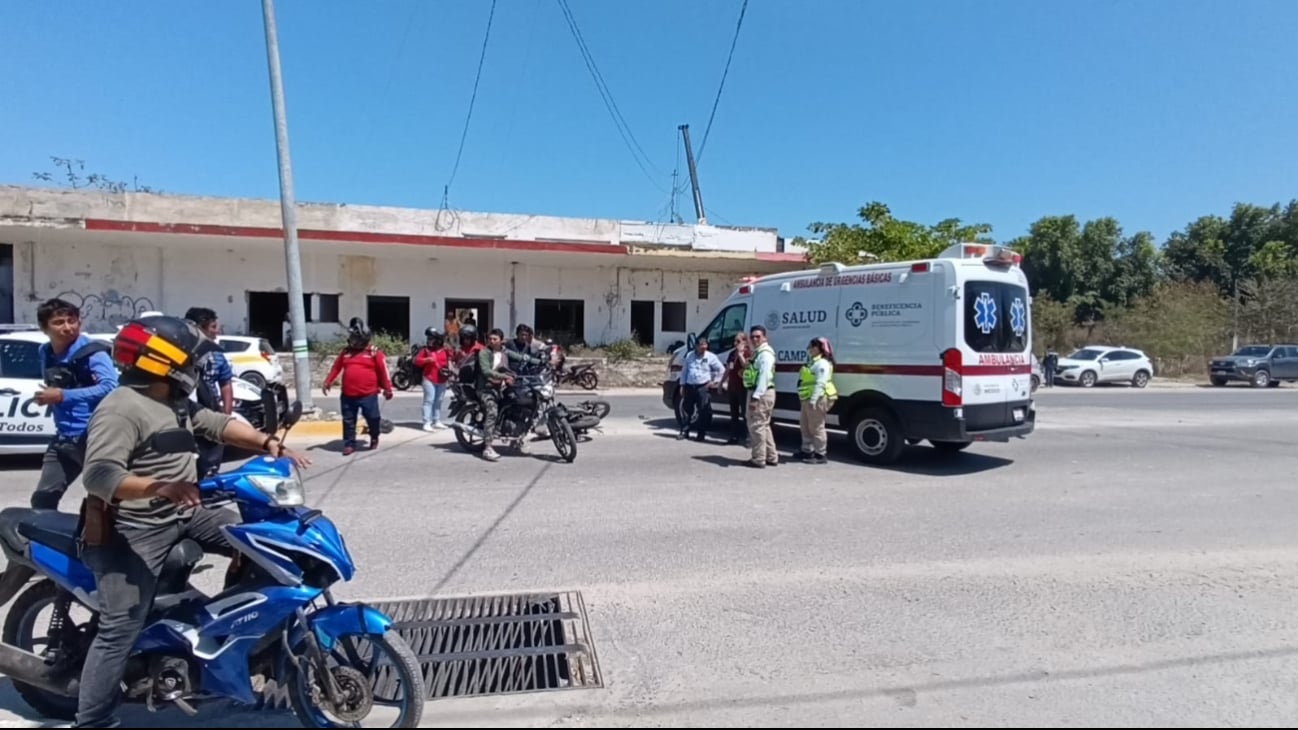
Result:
[882,237]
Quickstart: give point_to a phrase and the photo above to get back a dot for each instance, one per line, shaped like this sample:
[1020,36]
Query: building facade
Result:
[591,281]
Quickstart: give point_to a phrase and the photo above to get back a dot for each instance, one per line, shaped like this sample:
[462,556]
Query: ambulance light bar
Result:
[988,252]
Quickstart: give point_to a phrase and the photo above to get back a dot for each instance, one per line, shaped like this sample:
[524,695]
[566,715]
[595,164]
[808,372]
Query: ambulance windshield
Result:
[996,317]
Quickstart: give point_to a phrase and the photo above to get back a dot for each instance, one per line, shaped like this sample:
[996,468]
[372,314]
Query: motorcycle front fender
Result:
[346,619]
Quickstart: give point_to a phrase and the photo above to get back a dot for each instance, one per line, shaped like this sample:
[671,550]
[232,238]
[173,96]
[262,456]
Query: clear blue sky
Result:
[1153,112]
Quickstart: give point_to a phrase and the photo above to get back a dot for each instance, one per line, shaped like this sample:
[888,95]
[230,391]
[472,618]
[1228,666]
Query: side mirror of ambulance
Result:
[690,341]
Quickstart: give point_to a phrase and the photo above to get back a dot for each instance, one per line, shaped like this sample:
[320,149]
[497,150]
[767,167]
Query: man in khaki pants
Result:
[759,379]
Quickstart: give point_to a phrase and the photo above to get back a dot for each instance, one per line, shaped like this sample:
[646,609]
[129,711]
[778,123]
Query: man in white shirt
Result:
[700,374]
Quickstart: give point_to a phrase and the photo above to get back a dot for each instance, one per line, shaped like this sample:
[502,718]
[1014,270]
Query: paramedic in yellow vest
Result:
[759,380]
[817,392]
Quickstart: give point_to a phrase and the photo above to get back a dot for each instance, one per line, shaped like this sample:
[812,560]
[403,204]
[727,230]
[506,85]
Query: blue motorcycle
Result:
[275,619]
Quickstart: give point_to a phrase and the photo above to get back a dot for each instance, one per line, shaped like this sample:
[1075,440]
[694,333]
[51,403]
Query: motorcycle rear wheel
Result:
[473,417]
[18,631]
[401,381]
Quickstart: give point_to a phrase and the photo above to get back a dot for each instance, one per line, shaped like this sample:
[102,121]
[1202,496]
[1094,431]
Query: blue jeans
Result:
[367,407]
[433,394]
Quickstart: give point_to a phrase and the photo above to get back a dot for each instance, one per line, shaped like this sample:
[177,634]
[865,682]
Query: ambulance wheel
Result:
[876,436]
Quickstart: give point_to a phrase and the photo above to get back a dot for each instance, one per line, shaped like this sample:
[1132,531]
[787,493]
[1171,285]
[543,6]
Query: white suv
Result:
[1096,364]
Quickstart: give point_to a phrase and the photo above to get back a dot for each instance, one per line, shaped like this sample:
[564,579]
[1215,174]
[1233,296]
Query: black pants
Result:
[368,407]
[738,414]
[126,574]
[698,399]
[61,466]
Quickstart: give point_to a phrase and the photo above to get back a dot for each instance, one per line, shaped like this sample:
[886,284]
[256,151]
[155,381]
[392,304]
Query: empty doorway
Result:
[6,283]
[642,322]
[390,315]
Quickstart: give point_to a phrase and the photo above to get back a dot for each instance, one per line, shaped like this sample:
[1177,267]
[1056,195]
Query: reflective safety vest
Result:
[750,372]
[807,381]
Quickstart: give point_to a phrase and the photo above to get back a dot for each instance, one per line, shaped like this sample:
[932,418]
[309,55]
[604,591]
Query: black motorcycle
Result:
[524,405]
[406,373]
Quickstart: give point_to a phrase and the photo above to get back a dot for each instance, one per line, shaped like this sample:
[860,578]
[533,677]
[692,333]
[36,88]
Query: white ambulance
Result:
[936,350]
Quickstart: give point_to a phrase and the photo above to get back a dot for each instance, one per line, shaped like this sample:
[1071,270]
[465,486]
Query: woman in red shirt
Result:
[432,358]
[364,370]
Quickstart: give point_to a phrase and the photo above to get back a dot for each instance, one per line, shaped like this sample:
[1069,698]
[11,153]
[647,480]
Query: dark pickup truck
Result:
[1258,365]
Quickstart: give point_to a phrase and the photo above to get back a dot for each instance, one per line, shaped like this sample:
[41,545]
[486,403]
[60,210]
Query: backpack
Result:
[76,372]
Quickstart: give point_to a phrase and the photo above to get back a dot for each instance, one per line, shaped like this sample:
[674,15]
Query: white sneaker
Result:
[429,427]
[490,454]
[523,447]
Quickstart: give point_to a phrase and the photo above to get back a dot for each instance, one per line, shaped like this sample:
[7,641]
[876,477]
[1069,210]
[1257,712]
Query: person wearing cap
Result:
[817,392]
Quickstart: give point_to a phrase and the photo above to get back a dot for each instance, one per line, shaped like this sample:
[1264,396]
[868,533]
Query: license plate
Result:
[1018,415]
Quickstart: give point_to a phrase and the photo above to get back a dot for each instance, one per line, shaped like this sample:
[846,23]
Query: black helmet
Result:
[432,333]
[161,348]
[468,333]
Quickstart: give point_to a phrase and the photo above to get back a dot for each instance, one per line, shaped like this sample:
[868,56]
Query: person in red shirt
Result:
[433,357]
[364,371]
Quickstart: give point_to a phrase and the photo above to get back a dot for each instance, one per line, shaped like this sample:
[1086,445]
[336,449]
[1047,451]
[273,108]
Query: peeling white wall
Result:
[117,276]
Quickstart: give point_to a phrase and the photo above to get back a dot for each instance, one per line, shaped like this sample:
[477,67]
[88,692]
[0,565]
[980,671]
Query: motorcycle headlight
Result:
[547,391]
[282,491]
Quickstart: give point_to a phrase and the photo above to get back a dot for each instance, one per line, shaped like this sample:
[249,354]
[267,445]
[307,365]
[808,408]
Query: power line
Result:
[733,41]
[469,116]
[623,129]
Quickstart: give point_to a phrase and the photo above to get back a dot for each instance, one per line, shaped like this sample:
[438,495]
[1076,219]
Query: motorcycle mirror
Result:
[174,441]
[293,416]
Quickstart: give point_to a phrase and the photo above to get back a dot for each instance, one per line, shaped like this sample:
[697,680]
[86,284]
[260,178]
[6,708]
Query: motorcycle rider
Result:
[433,357]
[525,344]
[78,375]
[217,392]
[494,378]
[141,501]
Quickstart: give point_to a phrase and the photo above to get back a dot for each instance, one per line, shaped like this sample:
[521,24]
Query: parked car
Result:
[1258,365]
[252,359]
[1037,373]
[1092,365]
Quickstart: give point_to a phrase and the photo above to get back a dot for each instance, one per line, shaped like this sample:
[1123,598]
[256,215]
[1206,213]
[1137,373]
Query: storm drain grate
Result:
[499,644]
[488,645]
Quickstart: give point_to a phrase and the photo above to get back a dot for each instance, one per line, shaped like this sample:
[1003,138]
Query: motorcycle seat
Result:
[51,528]
[58,531]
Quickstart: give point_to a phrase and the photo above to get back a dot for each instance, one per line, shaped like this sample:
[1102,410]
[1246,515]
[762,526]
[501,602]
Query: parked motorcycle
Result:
[197,648]
[406,375]
[525,405]
[583,375]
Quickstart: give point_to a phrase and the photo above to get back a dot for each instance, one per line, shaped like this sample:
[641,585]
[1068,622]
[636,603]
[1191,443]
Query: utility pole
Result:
[288,210]
[694,176]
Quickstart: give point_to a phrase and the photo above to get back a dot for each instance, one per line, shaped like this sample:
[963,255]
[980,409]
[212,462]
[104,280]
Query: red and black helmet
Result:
[162,348]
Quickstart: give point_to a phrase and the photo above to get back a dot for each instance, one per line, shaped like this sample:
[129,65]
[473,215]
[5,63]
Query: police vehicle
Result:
[26,427]
[936,350]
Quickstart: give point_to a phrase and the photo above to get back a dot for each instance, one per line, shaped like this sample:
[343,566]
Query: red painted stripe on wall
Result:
[307,234]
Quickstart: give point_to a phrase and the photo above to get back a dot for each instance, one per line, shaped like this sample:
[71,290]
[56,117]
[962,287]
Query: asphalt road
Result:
[1133,562]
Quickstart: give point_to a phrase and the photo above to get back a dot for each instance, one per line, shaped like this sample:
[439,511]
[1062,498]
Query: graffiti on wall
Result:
[107,310]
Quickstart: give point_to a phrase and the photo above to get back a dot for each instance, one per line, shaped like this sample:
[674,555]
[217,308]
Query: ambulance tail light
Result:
[952,378]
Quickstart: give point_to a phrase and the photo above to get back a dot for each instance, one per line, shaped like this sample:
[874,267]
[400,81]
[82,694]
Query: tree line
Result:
[1216,282]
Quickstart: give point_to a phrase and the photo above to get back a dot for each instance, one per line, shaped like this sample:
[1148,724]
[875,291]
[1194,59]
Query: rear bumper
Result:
[972,423]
